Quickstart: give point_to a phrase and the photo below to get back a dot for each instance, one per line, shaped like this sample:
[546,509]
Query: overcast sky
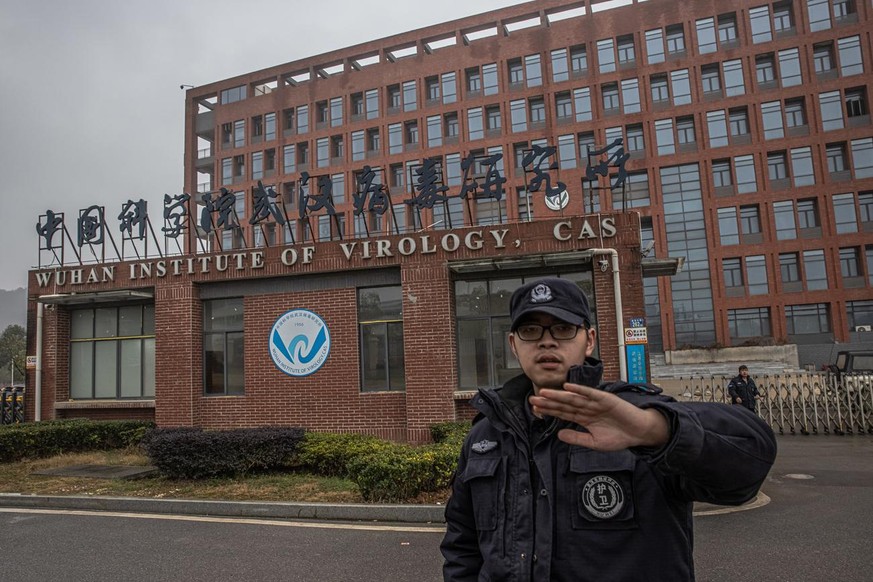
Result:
[90,107]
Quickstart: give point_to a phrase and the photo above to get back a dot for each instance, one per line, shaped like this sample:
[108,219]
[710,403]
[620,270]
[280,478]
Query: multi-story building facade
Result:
[358,219]
[747,124]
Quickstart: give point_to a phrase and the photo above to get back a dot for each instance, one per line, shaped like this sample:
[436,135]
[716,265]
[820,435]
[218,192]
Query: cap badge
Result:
[541,294]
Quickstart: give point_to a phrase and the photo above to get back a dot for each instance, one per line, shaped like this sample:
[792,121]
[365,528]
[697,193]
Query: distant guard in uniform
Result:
[566,478]
[743,390]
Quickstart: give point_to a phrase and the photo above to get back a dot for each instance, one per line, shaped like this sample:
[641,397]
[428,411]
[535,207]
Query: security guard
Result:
[565,478]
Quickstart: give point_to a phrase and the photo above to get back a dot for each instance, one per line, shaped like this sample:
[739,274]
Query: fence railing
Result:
[797,403]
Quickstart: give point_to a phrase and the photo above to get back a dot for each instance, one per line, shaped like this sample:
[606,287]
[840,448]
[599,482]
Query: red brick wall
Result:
[331,399]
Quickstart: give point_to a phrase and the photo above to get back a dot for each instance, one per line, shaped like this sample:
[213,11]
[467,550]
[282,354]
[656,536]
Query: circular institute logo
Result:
[299,342]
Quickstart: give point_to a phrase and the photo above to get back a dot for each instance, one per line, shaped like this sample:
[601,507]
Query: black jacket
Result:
[542,510]
[745,389]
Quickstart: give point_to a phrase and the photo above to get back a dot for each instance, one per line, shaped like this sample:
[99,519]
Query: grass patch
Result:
[18,477]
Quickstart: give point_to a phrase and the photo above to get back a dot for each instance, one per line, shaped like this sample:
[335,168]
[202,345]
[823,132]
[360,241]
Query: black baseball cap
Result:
[558,297]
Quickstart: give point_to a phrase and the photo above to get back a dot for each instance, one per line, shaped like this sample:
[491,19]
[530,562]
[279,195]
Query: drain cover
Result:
[800,476]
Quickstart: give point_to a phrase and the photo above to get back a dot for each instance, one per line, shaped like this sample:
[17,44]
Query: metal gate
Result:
[800,403]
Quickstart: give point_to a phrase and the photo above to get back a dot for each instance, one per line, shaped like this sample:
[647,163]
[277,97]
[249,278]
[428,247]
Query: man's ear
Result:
[512,345]
[592,341]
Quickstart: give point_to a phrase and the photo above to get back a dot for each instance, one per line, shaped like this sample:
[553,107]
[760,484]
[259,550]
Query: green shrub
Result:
[330,453]
[54,437]
[403,472]
[454,432]
[191,453]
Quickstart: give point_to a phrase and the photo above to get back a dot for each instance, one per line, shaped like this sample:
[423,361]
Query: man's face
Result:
[744,373]
[547,360]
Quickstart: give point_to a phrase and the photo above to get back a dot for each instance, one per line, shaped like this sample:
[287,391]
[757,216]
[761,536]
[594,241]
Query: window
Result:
[807,319]
[371,100]
[865,204]
[660,92]
[727,226]
[733,274]
[681,87]
[734,84]
[710,79]
[859,313]
[747,181]
[223,347]
[336,111]
[357,104]
[606,55]
[807,214]
[654,46]
[786,227]
[563,106]
[411,131]
[862,157]
[289,159]
[609,92]
[856,103]
[789,268]
[449,87]
[474,82]
[395,138]
[567,151]
[560,66]
[358,146]
[771,113]
[233,95]
[518,115]
[481,308]
[685,130]
[721,174]
[489,78]
[675,40]
[706,36]
[783,17]
[851,62]
[789,67]
[239,133]
[630,95]
[112,352]
[756,275]
[475,129]
[257,165]
[727,30]
[750,220]
[844,213]
[380,321]
[337,149]
[814,269]
[831,107]
[836,157]
[776,167]
[635,140]
[516,72]
[795,113]
[749,323]
[823,58]
[801,167]
[664,137]
[450,121]
[322,149]
[850,263]
[738,119]
[492,118]
[716,124]
[819,14]
[578,60]
[410,99]
[626,52]
[765,70]
[374,141]
[303,119]
[760,22]
[393,97]
[434,131]
[537,111]
[533,70]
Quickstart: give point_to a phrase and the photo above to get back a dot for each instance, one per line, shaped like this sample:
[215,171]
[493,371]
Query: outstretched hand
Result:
[612,423]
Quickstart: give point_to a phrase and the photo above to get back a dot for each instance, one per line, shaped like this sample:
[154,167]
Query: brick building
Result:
[750,158]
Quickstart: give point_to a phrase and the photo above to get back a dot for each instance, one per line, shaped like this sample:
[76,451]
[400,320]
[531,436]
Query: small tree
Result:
[13,349]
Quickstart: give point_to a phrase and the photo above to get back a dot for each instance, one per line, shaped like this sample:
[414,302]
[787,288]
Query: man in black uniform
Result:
[743,390]
[584,480]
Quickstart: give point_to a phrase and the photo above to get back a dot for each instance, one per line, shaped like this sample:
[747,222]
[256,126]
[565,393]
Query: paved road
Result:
[813,529]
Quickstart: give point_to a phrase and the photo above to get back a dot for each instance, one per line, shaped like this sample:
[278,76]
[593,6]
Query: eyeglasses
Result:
[531,332]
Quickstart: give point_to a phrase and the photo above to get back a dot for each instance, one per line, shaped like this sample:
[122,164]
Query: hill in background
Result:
[13,307]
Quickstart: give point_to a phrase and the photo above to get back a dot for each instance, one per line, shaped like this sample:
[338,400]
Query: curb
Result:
[276,510]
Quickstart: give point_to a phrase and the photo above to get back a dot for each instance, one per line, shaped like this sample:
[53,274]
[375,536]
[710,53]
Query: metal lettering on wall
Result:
[212,220]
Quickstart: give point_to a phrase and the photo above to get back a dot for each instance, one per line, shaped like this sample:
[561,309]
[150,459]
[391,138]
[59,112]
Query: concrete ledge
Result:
[275,510]
[786,354]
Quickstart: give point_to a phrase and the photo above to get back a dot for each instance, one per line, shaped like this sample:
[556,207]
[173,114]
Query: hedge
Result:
[191,453]
[54,437]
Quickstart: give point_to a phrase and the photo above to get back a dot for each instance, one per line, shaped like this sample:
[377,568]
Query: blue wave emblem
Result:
[303,342]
